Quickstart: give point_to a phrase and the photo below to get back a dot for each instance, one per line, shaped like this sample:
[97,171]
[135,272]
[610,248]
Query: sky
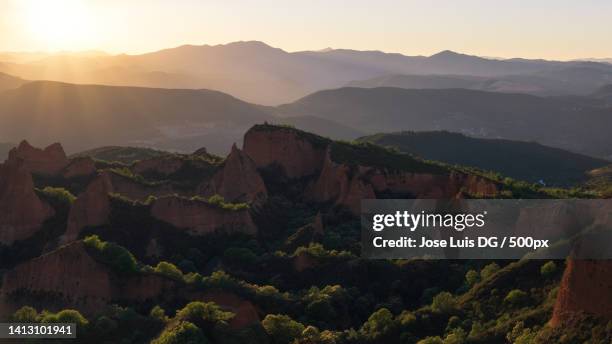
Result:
[559,29]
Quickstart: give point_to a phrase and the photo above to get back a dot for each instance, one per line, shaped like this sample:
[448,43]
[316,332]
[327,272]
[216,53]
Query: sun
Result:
[58,24]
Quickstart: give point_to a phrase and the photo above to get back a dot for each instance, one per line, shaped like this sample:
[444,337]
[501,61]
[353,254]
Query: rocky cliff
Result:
[91,208]
[198,217]
[49,161]
[70,277]
[346,185]
[297,154]
[237,181]
[79,167]
[586,287]
[22,212]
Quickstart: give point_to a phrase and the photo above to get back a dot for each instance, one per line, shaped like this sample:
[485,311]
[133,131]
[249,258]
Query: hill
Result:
[562,122]
[8,82]
[578,79]
[89,116]
[519,160]
[242,68]
[126,155]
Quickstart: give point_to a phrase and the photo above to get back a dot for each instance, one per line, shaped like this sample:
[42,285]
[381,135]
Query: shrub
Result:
[118,257]
[169,270]
[60,194]
[444,302]
[184,332]
[158,313]
[516,297]
[488,271]
[548,269]
[281,328]
[456,336]
[471,278]
[198,311]
[379,324]
[25,314]
[65,316]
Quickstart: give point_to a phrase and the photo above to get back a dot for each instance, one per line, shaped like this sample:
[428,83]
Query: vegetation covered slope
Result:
[520,160]
[566,123]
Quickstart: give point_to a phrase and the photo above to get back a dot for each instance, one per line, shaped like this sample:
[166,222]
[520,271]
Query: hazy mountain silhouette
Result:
[520,160]
[89,116]
[8,82]
[563,122]
[258,73]
[579,79]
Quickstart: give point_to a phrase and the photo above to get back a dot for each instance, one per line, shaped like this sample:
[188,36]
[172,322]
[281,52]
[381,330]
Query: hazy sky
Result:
[553,29]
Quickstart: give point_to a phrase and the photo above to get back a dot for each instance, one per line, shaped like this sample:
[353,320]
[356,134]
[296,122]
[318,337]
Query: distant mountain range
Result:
[8,82]
[89,116]
[578,124]
[258,73]
[527,161]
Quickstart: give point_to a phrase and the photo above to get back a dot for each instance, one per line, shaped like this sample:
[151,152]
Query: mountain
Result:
[563,122]
[8,82]
[519,160]
[578,79]
[89,116]
[259,73]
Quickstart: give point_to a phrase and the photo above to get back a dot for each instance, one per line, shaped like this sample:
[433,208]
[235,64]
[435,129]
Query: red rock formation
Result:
[22,212]
[286,148]
[348,185]
[237,181]
[79,167]
[163,166]
[200,218]
[586,287]
[135,190]
[70,278]
[49,161]
[91,208]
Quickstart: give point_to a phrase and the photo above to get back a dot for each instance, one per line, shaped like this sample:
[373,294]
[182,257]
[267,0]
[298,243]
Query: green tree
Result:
[548,269]
[516,297]
[65,316]
[379,324]
[25,314]
[472,277]
[488,271]
[184,333]
[444,302]
[281,328]
[169,270]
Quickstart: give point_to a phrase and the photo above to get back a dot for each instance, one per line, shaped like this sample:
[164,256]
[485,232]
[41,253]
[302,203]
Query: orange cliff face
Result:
[586,287]
[51,161]
[70,278]
[22,212]
[237,181]
[286,148]
[347,185]
[299,154]
[200,218]
[91,208]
